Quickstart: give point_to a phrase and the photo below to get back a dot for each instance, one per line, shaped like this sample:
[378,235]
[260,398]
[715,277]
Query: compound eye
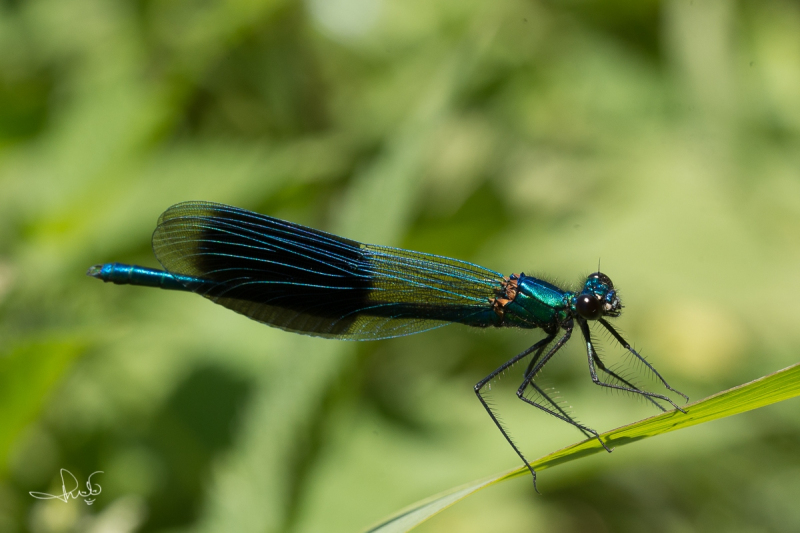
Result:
[588,307]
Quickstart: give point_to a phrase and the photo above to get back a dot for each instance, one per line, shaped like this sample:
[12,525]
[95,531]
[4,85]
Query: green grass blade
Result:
[773,388]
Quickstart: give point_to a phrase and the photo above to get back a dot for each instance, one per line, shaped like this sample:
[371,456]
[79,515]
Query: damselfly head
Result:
[598,298]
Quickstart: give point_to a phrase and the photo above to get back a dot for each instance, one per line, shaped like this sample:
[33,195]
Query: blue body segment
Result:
[122,274]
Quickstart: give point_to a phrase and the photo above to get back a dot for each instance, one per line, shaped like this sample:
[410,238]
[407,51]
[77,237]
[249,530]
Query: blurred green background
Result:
[660,137]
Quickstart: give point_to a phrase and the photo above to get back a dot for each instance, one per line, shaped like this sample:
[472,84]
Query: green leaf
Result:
[781,385]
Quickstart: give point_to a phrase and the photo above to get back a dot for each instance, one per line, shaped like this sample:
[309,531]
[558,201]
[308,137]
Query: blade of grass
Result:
[781,385]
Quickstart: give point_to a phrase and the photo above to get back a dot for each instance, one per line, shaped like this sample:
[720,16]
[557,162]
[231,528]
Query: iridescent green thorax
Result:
[527,302]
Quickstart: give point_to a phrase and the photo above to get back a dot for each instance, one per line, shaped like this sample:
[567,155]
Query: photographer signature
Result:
[74,493]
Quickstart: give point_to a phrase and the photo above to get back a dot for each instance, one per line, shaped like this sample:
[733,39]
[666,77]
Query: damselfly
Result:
[307,281]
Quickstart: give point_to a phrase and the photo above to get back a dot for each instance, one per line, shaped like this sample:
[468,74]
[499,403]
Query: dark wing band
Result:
[308,281]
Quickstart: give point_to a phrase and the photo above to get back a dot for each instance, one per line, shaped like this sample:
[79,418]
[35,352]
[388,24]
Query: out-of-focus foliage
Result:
[661,137]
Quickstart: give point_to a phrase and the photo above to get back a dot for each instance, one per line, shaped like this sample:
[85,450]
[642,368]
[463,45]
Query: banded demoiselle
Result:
[307,281]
